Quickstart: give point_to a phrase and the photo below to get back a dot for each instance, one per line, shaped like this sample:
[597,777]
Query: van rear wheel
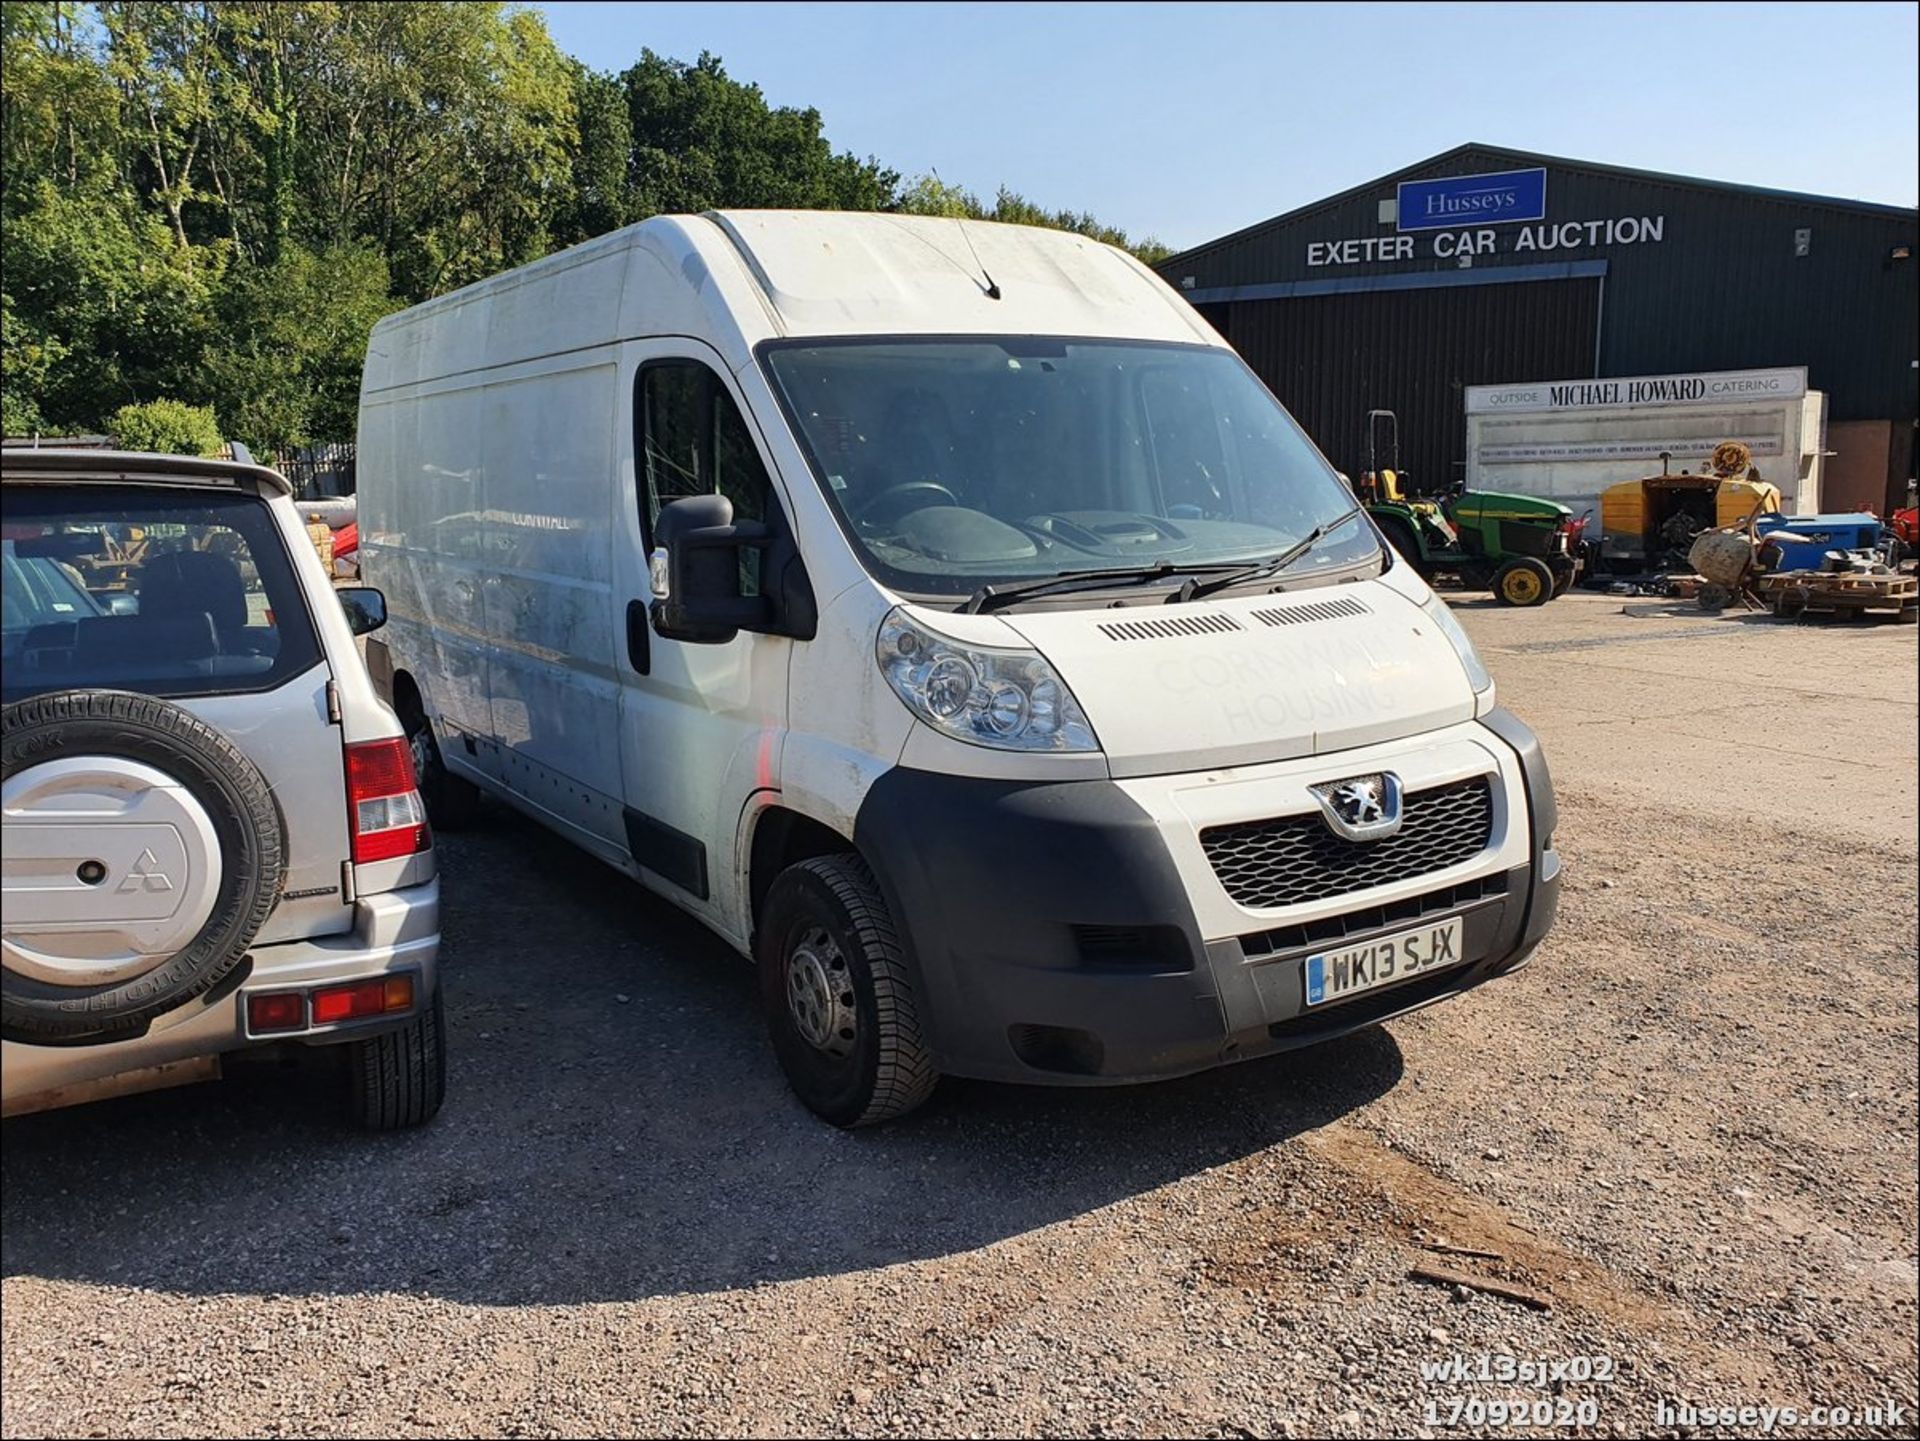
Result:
[840,1004]
[453,803]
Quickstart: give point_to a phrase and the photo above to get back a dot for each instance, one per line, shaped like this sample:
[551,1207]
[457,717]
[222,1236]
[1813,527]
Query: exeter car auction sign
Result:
[1464,217]
[1708,387]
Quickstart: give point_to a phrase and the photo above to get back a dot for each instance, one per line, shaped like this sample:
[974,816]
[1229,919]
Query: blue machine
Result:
[1804,540]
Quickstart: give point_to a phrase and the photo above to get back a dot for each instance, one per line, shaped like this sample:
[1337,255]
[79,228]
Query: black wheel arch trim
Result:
[1007,869]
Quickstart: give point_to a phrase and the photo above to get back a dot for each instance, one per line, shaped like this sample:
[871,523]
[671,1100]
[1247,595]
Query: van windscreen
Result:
[957,462]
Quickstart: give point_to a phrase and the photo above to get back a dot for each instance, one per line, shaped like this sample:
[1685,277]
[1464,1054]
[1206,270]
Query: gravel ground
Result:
[1690,1122]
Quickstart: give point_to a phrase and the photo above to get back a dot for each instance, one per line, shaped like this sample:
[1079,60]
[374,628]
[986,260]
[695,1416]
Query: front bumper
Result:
[1055,933]
[393,932]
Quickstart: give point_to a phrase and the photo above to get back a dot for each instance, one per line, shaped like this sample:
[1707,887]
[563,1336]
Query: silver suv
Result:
[213,839]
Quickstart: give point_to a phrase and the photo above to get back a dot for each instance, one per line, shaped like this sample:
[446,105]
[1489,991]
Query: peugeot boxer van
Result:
[947,617]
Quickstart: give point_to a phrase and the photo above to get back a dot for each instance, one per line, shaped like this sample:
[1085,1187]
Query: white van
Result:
[945,616]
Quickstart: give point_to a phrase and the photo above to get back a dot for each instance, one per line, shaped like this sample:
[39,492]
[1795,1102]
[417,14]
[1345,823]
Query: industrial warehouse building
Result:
[1508,272]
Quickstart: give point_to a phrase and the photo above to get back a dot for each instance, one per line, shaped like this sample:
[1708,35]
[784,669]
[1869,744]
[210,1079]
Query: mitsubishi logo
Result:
[146,875]
[1361,808]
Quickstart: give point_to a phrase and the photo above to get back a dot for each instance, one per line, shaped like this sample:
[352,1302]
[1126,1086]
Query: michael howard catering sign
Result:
[1473,200]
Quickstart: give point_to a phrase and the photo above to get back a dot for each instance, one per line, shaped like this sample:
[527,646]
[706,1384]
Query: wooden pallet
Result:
[1815,592]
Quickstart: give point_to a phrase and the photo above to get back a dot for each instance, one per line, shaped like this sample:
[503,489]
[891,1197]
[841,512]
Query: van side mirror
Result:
[365,606]
[695,570]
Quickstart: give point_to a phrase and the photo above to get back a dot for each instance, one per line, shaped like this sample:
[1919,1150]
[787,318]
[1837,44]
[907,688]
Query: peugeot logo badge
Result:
[1361,808]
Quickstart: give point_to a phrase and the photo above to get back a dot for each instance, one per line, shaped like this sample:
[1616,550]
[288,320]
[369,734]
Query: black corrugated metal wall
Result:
[1332,358]
[1729,285]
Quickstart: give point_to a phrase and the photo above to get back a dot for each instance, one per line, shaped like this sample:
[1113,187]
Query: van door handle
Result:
[639,637]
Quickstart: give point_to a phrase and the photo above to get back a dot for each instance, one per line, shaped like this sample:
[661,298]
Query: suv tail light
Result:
[384,808]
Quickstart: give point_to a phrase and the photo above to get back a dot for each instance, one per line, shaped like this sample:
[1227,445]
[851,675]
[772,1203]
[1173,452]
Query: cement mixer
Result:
[1728,558]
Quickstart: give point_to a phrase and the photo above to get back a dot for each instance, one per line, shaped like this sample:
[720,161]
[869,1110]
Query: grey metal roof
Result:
[1530,158]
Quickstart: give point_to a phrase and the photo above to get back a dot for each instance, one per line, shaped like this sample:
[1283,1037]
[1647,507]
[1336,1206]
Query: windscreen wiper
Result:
[992,597]
[1194,590]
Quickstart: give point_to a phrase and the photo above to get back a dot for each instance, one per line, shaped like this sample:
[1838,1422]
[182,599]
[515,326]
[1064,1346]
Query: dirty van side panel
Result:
[550,612]
[423,542]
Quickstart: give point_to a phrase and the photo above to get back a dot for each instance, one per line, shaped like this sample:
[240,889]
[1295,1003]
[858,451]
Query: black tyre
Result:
[1714,598]
[839,1001]
[60,984]
[453,802]
[400,1077]
[1523,581]
[1401,537]
[1564,571]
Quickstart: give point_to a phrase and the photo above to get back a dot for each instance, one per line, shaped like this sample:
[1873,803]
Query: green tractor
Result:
[1520,547]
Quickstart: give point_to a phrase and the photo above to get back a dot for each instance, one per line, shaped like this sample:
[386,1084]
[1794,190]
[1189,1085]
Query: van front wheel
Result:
[839,1001]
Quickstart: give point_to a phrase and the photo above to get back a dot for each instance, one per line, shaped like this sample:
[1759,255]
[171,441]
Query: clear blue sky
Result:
[1190,120]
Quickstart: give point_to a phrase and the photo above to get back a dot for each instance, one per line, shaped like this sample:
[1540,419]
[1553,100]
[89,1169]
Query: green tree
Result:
[704,141]
[169,427]
[162,58]
[438,131]
[599,195]
[27,354]
[294,336]
[61,116]
[930,195]
[213,200]
[101,280]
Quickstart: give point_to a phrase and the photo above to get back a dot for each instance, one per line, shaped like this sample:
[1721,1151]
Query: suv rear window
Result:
[168,592]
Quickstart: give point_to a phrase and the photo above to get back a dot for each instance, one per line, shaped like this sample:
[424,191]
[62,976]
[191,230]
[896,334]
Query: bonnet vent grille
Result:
[1313,611]
[1173,627]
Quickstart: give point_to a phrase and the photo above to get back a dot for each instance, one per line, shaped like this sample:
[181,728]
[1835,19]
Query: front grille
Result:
[1374,918]
[1291,859]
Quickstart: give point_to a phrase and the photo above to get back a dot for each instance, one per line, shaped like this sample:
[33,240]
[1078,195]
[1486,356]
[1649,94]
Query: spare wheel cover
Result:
[111,867]
[143,852]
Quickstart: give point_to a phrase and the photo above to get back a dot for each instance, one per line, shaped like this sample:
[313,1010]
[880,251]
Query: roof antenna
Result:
[993,288]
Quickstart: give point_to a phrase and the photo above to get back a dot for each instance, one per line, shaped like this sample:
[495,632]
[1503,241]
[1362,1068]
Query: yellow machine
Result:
[1649,524]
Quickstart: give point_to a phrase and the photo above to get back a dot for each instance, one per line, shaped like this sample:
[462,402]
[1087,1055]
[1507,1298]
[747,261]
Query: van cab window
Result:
[694,441]
[958,461]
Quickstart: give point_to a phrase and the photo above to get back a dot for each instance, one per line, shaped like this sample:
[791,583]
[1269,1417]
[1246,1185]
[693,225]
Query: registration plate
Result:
[1384,961]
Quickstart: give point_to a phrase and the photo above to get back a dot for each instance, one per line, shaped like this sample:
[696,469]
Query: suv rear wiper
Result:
[1194,590]
[992,597]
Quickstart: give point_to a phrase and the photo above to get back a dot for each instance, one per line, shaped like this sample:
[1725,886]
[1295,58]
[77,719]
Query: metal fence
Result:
[316,471]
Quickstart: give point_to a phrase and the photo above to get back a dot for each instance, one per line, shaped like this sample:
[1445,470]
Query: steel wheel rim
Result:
[420,743]
[820,994]
[1522,586]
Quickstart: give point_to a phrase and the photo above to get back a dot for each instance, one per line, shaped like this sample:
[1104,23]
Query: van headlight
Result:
[1008,699]
[1477,674]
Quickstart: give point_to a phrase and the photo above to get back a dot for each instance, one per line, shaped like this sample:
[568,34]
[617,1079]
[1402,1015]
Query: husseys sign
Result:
[1460,217]
[1471,200]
